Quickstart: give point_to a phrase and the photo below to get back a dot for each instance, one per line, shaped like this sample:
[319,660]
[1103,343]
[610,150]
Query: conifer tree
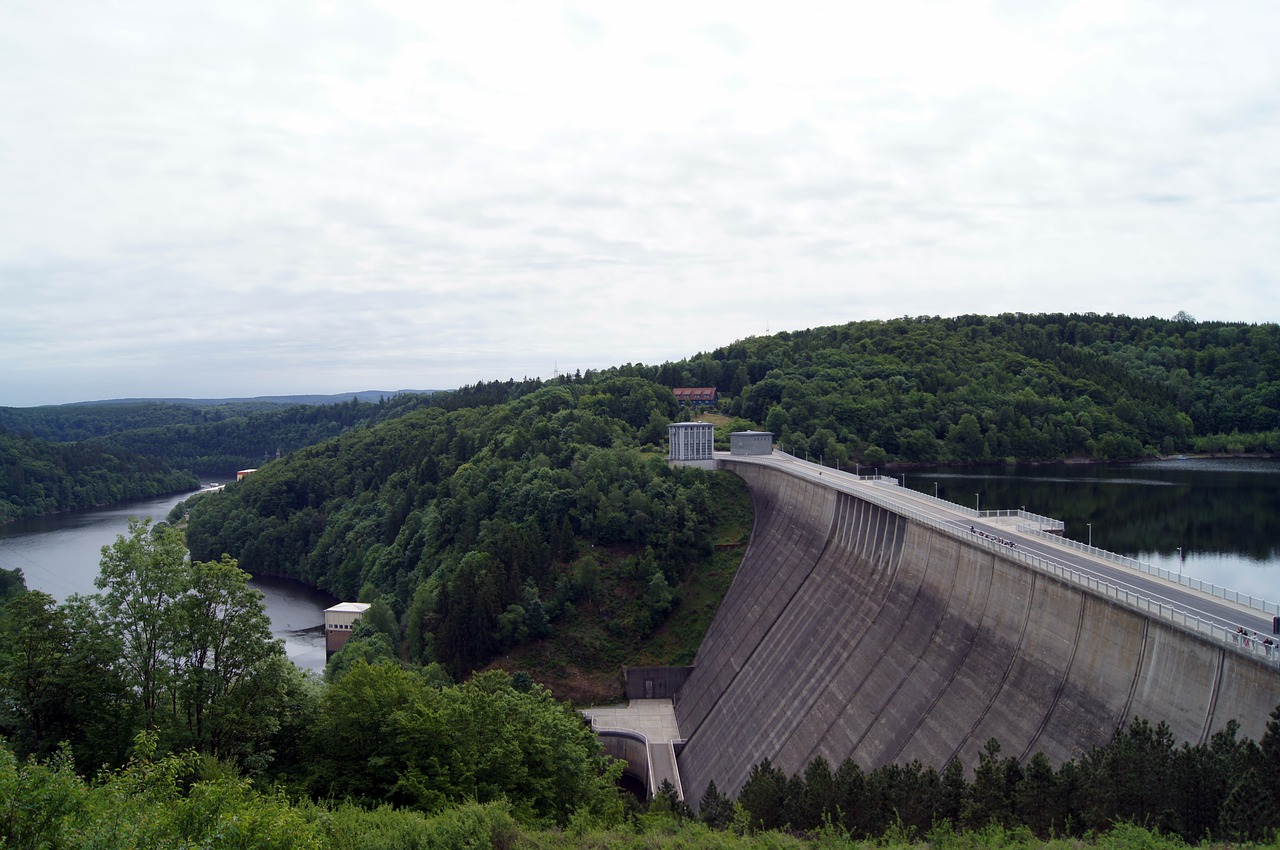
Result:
[715,809]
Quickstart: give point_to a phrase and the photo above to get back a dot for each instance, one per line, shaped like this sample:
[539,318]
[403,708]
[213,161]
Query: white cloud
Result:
[286,197]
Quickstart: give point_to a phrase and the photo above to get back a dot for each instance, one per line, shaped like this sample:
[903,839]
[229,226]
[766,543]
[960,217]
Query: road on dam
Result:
[1197,604]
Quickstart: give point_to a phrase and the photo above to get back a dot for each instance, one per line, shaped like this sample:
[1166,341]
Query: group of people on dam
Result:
[1243,636]
[999,540]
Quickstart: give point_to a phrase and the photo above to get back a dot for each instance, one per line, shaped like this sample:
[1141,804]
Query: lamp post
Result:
[1179,560]
[935,489]
[1090,534]
[977,503]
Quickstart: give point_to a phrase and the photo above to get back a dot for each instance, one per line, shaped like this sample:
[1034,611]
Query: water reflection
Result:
[1224,514]
[297,618]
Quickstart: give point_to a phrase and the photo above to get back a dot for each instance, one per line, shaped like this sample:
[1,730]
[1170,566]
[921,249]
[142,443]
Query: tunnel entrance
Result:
[634,787]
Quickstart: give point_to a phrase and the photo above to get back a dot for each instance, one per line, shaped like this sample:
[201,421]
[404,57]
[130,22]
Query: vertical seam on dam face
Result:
[852,631]
[1004,678]
[1213,697]
[1143,649]
[731,642]
[946,687]
[824,653]
[850,561]
[937,625]
[1062,684]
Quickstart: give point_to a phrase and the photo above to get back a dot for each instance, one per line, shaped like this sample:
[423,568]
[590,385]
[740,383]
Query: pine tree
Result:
[715,810]
[1246,815]
[989,801]
[764,796]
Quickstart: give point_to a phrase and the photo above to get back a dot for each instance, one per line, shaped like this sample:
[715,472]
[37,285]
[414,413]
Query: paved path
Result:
[655,720]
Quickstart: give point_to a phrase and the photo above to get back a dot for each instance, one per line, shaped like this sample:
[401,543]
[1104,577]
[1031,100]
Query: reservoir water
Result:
[59,555]
[1217,519]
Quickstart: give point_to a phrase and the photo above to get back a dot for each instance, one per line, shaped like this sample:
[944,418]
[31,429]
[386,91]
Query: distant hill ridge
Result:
[335,398]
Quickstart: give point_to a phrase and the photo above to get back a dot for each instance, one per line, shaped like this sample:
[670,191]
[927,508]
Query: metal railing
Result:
[1250,601]
[643,739]
[1042,521]
[1229,636]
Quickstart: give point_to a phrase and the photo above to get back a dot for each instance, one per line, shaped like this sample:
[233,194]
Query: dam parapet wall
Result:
[859,628]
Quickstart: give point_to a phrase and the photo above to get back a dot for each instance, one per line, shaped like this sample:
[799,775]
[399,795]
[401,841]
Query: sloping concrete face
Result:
[852,632]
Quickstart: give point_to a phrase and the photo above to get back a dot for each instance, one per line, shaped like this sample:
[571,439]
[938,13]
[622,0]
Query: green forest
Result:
[996,388]
[69,457]
[159,712]
[519,542]
[39,477]
[478,530]
[968,389]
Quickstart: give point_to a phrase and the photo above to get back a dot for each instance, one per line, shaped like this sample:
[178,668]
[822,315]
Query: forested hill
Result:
[1015,386]
[86,420]
[926,389]
[482,527]
[67,457]
[38,477]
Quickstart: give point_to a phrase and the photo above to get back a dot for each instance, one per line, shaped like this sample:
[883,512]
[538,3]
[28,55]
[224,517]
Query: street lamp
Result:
[935,489]
[977,503]
[1090,534]
[1179,560]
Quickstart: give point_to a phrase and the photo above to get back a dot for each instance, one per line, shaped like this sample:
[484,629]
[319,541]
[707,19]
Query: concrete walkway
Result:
[655,721]
[653,718]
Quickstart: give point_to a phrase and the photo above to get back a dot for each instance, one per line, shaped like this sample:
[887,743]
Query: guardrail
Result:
[1042,521]
[1248,600]
[643,739]
[635,735]
[1227,635]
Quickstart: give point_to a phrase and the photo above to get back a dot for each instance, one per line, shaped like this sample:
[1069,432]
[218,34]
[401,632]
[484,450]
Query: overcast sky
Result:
[253,197]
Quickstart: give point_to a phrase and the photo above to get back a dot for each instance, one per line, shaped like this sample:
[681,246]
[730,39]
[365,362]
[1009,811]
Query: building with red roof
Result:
[695,395]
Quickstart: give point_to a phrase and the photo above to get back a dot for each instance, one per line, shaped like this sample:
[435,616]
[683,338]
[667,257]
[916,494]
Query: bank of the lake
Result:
[59,554]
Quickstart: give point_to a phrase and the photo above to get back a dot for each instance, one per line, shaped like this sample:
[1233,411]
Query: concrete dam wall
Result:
[851,631]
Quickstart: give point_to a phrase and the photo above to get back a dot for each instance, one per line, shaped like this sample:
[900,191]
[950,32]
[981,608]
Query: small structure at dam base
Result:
[338,623]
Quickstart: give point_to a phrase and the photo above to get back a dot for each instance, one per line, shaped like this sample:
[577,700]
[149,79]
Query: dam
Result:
[875,623]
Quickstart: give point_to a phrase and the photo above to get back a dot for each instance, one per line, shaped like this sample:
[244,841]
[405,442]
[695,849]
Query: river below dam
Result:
[1215,519]
[59,555]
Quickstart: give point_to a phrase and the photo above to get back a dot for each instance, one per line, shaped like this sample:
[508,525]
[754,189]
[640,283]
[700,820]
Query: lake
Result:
[59,555]
[1217,519]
